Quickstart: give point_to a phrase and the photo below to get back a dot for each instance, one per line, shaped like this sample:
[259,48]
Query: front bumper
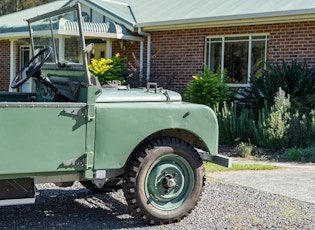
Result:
[216,159]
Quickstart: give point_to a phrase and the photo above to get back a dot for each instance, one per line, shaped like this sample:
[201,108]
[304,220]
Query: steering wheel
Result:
[31,67]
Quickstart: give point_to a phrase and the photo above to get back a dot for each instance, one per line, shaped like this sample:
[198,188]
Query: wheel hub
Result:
[169,181]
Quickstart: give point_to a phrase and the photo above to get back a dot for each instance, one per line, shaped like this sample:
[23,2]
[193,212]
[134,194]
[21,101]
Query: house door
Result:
[25,56]
[99,51]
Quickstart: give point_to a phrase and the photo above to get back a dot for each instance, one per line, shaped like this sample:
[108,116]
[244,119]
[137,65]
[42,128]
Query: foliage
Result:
[244,149]
[294,154]
[275,119]
[234,124]
[302,129]
[108,69]
[296,79]
[208,88]
[277,124]
[300,154]
[277,128]
[211,167]
[134,79]
[10,6]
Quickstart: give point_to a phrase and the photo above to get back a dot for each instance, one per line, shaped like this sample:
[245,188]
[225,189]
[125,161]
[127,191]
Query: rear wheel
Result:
[163,180]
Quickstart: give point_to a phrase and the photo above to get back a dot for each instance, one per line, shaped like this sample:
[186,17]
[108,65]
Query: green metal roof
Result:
[159,13]
[116,9]
[162,12]
[151,14]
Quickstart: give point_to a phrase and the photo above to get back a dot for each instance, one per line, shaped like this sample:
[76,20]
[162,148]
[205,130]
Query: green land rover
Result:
[146,141]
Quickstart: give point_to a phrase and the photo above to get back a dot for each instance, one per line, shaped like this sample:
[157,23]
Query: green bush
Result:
[296,79]
[277,128]
[300,154]
[302,129]
[244,149]
[234,124]
[294,154]
[277,124]
[208,88]
[283,127]
[308,154]
[109,69]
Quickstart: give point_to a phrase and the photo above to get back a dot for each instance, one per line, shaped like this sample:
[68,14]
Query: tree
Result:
[10,6]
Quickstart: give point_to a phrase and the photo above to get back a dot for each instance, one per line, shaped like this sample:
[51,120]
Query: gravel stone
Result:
[223,206]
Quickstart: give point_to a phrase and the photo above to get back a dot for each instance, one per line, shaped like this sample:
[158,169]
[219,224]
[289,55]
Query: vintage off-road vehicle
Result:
[146,140]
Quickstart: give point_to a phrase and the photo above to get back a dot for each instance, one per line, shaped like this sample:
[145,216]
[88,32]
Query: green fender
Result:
[120,127]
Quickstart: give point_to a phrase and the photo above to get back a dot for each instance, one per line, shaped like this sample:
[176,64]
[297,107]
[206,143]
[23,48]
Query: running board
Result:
[17,191]
[21,201]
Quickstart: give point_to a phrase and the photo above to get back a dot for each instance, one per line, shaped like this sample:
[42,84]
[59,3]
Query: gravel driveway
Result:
[225,204]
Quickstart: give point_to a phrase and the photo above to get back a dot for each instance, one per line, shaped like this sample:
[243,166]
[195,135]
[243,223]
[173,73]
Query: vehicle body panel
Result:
[120,125]
[39,137]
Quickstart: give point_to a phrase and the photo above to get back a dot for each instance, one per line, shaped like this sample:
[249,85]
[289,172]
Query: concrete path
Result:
[292,180]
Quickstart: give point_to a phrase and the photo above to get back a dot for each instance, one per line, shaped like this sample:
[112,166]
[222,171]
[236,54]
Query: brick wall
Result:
[4,65]
[177,55]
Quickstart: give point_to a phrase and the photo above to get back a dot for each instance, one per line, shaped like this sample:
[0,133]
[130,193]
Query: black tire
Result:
[163,180]
[112,185]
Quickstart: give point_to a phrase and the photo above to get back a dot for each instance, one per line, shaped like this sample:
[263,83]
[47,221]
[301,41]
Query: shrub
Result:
[277,124]
[308,154]
[301,132]
[300,154]
[296,79]
[109,69]
[234,124]
[208,88]
[294,154]
[244,149]
[133,78]
[276,128]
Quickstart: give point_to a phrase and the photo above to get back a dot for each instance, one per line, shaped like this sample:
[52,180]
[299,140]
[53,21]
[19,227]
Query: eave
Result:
[224,22]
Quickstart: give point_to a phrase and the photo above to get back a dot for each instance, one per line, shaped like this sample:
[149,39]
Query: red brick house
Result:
[173,39]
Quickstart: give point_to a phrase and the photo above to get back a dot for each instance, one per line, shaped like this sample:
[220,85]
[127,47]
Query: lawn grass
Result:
[210,167]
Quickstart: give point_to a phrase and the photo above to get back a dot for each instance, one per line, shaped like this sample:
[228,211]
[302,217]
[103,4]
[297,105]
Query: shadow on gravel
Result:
[223,206]
[70,209]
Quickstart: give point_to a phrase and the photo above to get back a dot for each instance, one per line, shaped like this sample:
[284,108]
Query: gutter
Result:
[148,35]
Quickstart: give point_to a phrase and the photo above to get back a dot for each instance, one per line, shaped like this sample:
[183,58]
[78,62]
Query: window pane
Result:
[216,39]
[236,58]
[236,61]
[258,57]
[244,38]
[259,37]
[25,55]
[215,57]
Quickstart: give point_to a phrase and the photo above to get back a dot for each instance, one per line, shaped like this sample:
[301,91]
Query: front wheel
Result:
[163,180]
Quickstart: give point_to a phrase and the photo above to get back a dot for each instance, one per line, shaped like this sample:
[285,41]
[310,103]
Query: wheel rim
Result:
[169,182]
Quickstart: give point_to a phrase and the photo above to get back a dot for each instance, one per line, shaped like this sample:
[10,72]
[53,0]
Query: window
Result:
[241,56]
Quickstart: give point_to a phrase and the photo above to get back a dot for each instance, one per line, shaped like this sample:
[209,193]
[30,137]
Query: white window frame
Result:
[223,37]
